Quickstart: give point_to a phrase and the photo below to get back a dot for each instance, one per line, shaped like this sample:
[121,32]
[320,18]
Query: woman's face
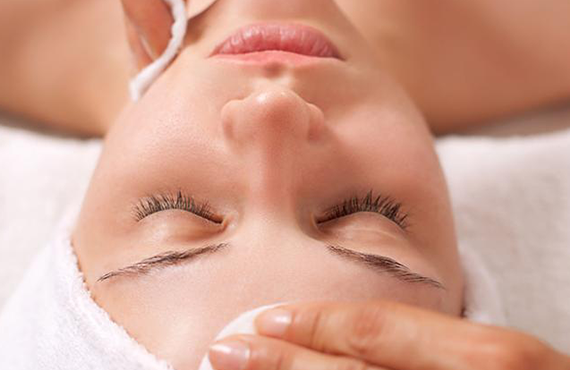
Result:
[243,184]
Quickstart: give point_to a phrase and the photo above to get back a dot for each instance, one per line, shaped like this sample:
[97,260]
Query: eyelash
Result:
[162,202]
[380,204]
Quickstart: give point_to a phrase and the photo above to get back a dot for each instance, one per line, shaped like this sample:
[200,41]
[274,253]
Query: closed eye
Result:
[179,201]
[380,204]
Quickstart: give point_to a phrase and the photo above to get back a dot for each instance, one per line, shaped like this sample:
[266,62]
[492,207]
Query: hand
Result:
[148,24]
[378,335]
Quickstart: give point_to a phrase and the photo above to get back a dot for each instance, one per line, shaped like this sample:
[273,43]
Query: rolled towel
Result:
[51,322]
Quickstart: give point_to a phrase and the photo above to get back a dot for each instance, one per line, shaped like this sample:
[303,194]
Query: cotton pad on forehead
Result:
[181,13]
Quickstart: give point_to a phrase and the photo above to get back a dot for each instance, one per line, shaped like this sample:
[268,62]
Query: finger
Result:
[140,57]
[152,20]
[382,333]
[197,7]
[262,353]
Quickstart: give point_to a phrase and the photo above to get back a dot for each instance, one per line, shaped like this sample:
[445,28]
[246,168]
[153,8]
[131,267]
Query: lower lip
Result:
[272,57]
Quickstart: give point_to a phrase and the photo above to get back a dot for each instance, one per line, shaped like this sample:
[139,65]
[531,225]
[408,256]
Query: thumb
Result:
[148,27]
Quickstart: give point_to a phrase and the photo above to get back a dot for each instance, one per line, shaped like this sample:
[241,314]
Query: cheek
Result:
[176,313]
[395,153]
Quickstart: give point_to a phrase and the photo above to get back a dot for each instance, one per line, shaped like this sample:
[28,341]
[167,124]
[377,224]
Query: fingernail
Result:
[274,322]
[146,46]
[229,355]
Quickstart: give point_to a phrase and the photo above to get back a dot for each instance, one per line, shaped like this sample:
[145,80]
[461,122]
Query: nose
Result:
[273,132]
[270,118]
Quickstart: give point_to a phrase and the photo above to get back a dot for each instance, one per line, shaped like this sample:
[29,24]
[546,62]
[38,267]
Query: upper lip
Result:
[293,38]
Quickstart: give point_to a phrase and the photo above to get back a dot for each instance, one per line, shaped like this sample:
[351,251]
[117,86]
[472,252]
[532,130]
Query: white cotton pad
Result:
[243,324]
[146,77]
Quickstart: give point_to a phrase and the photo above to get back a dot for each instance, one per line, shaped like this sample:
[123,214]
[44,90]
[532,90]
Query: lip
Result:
[264,42]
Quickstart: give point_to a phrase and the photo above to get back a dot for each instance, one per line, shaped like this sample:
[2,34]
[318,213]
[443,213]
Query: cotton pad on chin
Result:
[146,77]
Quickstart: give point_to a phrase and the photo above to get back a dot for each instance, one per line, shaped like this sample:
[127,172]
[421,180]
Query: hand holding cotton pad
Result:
[482,303]
[181,14]
[475,308]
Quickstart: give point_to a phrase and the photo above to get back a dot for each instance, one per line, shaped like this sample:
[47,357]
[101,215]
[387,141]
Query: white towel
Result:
[51,322]
[40,177]
[511,202]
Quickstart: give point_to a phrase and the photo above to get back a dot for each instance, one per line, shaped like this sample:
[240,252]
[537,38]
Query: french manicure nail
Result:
[229,355]
[274,322]
[146,46]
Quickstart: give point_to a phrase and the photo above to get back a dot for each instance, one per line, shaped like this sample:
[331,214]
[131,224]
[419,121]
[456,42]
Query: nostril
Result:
[227,114]
[272,115]
[280,107]
[317,119]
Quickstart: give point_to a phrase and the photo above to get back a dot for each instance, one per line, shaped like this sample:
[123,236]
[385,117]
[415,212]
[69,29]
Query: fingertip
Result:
[140,57]
[152,21]
[274,322]
[229,354]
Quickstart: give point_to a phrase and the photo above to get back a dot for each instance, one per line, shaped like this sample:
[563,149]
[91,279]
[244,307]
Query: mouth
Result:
[265,41]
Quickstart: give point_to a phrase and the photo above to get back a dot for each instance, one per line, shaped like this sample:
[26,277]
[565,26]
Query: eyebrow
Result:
[165,259]
[385,264]
[381,264]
